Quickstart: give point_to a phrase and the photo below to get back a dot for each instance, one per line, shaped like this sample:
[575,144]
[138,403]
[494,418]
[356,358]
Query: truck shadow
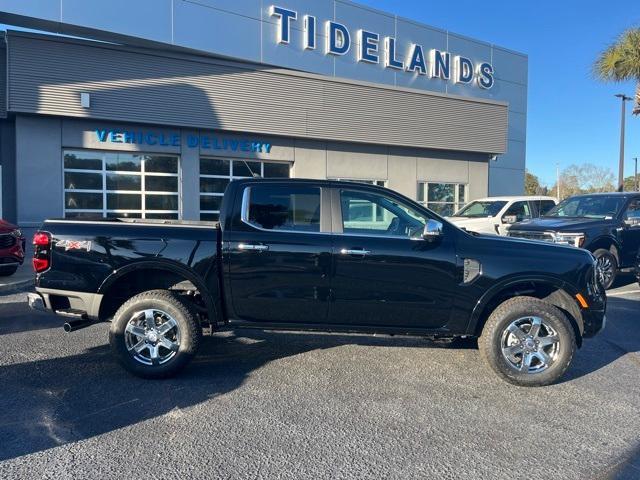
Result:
[57,401]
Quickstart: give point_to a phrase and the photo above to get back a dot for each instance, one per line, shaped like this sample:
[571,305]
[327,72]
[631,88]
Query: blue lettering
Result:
[102,135]
[267,147]
[234,145]
[390,54]
[310,32]
[285,16]
[256,147]
[175,140]
[205,142]
[216,144]
[464,70]
[338,39]
[163,141]
[245,146]
[193,141]
[440,64]
[416,61]
[116,136]
[368,51]
[129,137]
[485,79]
[151,139]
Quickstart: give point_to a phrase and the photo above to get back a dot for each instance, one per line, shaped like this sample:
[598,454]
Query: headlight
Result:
[573,239]
[17,233]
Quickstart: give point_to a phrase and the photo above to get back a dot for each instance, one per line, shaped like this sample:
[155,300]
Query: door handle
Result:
[253,246]
[359,251]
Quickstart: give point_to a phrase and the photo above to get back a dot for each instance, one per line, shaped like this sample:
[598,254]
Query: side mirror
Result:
[432,230]
[509,219]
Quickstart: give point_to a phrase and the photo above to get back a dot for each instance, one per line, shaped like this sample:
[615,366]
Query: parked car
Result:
[12,247]
[494,215]
[606,224]
[318,255]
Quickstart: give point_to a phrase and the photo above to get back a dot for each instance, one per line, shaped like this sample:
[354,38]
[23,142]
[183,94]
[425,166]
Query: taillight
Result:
[42,251]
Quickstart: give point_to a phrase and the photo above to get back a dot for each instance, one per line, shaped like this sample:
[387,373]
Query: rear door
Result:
[280,253]
[386,274]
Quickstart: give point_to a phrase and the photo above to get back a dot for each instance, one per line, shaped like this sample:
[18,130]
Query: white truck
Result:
[494,215]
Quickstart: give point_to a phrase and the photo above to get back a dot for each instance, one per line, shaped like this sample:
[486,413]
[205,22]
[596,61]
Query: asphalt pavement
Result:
[295,405]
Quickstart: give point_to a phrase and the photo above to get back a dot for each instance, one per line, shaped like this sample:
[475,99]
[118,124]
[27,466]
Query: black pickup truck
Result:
[606,224]
[318,255]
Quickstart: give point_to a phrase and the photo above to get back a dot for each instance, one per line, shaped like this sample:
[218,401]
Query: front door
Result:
[280,255]
[631,233]
[385,273]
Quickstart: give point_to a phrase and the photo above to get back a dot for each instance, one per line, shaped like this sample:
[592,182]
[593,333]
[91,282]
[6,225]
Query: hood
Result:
[6,227]
[559,224]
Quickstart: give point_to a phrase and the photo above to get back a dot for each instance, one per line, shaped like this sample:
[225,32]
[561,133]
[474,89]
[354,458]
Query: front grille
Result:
[540,236]
[7,240]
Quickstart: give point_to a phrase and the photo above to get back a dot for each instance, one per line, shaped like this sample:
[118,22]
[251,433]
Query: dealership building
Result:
[148,108]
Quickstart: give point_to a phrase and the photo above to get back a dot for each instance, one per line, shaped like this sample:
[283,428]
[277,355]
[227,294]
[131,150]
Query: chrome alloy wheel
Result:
[605,268]
[152,337]
[530,345]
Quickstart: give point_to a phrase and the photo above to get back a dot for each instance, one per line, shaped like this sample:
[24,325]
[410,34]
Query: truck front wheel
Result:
[607,266]
[528,342]
[155,334]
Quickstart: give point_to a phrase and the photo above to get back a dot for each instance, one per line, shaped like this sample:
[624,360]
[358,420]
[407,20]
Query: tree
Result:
[532,184]
[585,178]
[630,183]
[620,62]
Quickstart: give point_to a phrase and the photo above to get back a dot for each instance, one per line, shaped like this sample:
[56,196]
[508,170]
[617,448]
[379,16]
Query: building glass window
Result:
[112,185]
[216,173]
[443,198]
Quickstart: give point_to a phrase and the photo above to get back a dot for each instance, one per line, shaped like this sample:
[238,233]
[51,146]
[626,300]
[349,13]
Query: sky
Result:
[572,118]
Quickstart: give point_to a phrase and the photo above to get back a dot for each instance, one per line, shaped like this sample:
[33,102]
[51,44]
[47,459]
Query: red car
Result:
[12,245]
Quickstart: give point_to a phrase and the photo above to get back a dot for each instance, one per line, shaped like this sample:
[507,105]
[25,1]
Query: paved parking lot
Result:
[293,405]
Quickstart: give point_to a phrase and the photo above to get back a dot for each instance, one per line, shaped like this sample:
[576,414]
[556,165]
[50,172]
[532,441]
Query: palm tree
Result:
[620,62]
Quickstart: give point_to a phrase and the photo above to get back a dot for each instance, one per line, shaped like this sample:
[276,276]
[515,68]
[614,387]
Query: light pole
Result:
[635,176]
[624,99]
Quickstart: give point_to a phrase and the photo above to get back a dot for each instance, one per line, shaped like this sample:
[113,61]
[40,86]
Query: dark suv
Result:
[606,224]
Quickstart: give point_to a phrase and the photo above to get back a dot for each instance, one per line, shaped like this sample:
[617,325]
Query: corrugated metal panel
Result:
[47,75]
[3,77]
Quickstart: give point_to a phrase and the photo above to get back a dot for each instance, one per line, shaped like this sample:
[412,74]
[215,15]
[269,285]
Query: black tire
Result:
[554,324]
[185,335]
[7,271]
[605,258]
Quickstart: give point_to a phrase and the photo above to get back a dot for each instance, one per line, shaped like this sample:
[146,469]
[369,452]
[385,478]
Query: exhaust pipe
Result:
[73,325]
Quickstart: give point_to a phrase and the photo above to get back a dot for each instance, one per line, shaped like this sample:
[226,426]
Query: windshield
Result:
[481,209]
[596,206]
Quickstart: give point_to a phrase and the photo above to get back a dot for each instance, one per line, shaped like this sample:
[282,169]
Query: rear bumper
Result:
[13,255]
[52,300]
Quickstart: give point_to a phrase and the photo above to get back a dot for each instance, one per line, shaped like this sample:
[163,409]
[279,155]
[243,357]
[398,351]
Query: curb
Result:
[16,286]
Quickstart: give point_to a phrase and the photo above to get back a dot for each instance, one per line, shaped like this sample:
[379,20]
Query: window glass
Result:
[369,213]
[117,181]
[83,201]
[82,181]
[276,170]
[588,206]
[443,198]
[83,160]
[481,209]
[216,173]
[215,166]
[633,211]
[160,184]
[545,206]
[120,177]
[285,208]
[123,162]
[246,169]
[520,210]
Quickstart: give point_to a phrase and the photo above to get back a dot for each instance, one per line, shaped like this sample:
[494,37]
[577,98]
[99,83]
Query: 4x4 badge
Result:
[74,245]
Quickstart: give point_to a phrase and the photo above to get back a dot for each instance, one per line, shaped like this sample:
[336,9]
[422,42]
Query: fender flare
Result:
[173,267]
[490,294]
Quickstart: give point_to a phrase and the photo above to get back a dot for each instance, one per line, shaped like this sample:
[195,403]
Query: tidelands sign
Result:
[371,48]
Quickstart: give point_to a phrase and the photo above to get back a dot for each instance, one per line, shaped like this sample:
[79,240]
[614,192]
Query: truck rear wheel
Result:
[155,334]
[528,342]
